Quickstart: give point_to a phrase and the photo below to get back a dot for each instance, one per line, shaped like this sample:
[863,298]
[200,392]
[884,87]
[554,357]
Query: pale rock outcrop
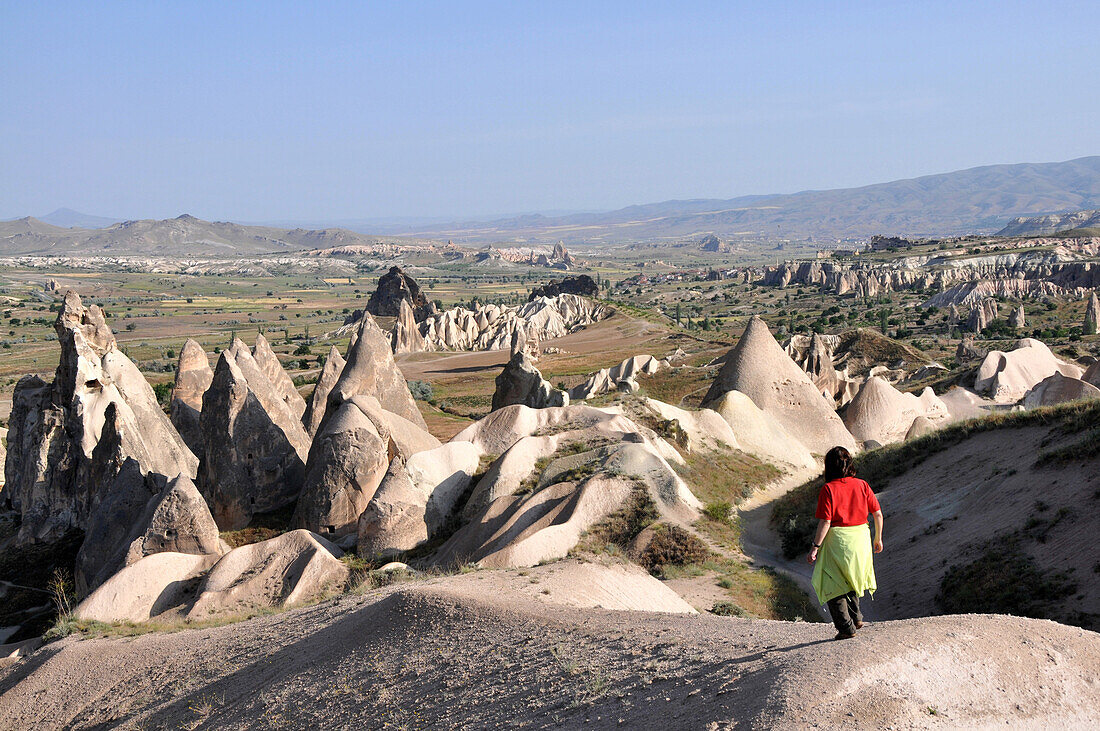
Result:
[254,446]
[885,415]
[193,376]
[607,380]
[330,374]
[967,350]
[406,336]
[543,517]
[963,404]
[290,569]
[370,370]
[982,315]
[347,461]
[416,498]
[145,589]
[921,426]
[759,368]
[1059,389]
[53,479]
[1092,374]
[521,383]
[702,429]
[1006,377]
[271,367]
[406,438]
[1092,315]
[498,327]
[1018,320]
[760,434]
[131,524]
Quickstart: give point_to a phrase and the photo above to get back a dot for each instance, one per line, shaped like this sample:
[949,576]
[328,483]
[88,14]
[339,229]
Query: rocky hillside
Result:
[980,199]
[1052,224]
[184,235]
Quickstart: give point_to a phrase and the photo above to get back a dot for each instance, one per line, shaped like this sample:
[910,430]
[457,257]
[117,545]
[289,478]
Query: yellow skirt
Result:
[844,563]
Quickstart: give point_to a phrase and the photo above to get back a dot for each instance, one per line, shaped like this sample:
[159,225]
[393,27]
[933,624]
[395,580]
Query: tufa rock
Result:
[406,336]
[1092,316]
[330,374]
[370,370]
[193,376]
[270,366]
[521,383]
[1017,320]
[759,368]
[254,448]
[59,463]
[982,315]
[395,287]
[581,285]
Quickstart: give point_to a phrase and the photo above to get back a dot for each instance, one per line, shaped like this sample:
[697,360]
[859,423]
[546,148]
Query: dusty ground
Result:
[456,653]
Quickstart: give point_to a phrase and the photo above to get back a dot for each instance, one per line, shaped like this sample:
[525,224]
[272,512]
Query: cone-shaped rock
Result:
[1092,316]
[394,519]
[254,448]
[406,336]
[346,463]
[51,477]
[271,367]
[758,368]
[395,287]
[370,370]
[981,315]
[1017,320]
[143,515]
[521,383]
[330,374]
[193,376]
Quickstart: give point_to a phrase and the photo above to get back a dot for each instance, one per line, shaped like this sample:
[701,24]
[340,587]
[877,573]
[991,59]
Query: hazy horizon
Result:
[258,113]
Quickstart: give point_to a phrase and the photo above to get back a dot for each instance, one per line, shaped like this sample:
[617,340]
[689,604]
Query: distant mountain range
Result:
[182,236]
[978,200]
[1086,222]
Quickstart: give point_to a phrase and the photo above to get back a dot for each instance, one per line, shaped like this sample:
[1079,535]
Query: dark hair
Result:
[838,464]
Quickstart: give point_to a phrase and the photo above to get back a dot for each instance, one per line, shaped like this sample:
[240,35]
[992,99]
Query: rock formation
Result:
[758,368]
[521,383]
[1017,321]
[967,350]
[1092,316]
[330,374]
[712,244]
[581,285]
[370,418]
[760,434]
[53,477]
[193,376]
[495,327]
[1006,377]
[406,336]
[982,315]
[254,447]
[607,380]
[143,515]
[292,568]
[395,287]
[522,512]
[1059,389]
[885,415]
[272,368]
[370,370]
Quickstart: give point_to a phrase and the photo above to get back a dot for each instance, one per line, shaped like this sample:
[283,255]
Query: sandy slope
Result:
[457,652]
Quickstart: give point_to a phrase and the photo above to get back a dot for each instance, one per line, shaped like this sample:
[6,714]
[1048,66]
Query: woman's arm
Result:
[819,538]
[878,531]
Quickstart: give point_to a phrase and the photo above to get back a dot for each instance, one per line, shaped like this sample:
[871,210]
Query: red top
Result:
[846,502]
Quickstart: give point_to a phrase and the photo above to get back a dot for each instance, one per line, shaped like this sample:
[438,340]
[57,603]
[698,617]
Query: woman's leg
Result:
[838,610]
[853,608]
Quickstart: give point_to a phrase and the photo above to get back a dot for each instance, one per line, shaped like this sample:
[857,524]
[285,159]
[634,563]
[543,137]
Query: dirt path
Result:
[761,543]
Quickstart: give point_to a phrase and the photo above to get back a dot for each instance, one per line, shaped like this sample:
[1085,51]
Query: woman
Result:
[845,568]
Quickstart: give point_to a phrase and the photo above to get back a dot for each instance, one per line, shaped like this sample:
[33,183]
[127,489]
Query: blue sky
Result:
[329,111]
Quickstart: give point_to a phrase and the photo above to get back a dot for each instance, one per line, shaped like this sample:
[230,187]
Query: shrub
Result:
[727,609]
[421,390]
[672,546]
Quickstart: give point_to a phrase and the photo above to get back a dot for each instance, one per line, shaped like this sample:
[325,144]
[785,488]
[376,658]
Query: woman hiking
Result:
[842,543]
